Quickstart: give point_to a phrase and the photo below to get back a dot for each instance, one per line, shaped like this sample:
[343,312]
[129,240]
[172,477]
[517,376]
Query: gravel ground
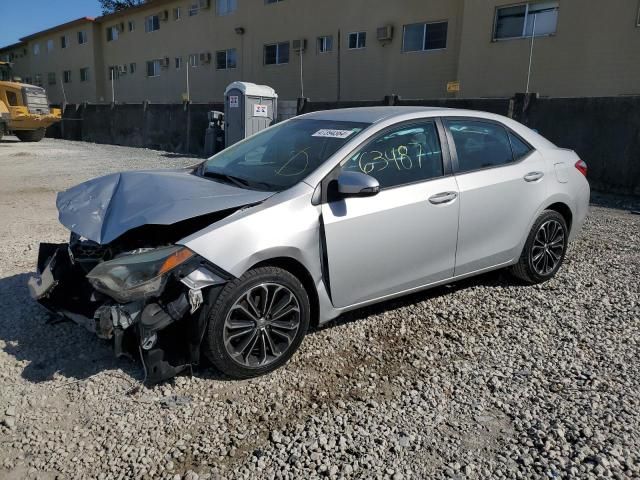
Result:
[481,379]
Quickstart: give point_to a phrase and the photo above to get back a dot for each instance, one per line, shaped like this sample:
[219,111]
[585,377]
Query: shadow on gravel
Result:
[63,348]
[69,350]
[181,155]
[498,278]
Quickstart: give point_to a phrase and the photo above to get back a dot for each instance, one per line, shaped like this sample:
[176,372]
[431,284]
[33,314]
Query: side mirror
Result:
[356,184]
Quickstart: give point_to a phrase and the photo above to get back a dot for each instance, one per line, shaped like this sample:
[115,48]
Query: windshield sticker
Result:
[329,133]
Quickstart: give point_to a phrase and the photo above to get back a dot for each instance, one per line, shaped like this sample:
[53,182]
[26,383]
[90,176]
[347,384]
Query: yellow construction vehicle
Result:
[24,109]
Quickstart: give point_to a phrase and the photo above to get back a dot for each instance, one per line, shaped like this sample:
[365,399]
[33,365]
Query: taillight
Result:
[581,165]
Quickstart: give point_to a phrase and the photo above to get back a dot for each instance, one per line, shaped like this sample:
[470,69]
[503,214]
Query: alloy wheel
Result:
[548,247]
[261,325]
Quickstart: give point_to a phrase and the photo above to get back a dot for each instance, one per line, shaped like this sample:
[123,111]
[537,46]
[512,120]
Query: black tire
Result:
[30,135]
[218,351]
[529,268]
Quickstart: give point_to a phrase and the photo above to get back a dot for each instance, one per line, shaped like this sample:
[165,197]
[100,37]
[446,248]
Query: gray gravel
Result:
[481,379]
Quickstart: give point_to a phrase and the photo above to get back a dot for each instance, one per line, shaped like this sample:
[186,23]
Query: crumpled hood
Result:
[104,208]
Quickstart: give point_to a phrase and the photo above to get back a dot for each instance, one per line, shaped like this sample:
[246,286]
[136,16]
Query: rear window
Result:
[480,144]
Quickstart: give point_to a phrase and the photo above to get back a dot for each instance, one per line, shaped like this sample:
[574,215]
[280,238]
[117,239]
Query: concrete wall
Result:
[364,74]
[604,132]
[593,53]
[171,127]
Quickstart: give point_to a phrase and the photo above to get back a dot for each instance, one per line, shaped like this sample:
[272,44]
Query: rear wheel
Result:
[544,250]
[257,323]
[30,135]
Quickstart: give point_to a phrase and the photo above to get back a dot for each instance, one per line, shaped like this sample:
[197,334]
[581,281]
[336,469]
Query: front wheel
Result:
[257,323]
[544,250]
[30,135]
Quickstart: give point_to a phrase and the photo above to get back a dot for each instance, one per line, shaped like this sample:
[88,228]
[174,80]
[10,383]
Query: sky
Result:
[19,18]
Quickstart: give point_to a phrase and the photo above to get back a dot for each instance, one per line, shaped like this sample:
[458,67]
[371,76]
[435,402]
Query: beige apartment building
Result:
[171,50]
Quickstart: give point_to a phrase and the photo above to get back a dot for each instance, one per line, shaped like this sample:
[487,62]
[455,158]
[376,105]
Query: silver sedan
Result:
[325,213]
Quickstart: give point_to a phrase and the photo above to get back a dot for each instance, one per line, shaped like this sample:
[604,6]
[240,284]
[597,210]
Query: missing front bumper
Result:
[165,332]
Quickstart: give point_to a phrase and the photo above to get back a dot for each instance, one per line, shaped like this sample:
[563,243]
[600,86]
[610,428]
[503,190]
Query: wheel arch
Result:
[297,269]
[564,210]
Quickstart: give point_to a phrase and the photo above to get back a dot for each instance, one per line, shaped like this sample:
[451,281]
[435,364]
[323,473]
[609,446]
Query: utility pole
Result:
[113,91]
[301,73]
[188,91]
[533,36]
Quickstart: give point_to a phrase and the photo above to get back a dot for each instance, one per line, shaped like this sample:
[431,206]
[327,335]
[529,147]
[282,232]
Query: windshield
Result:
[278,158]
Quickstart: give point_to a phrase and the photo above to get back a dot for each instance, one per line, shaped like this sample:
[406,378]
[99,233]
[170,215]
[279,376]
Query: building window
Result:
[36,49]
[63,41]
[131,25]
[226,59]
[84,74]
[66,76]
[518,21]
[177,13]
[420,37]
[49,45]
[38,80]
[225,7]
[357,40]
[194,9]
[638,19]
[272,1]
[51,78]
[151,23]
[193,60]
[132,67]
[82,37]
[112,33]
[153,68]
[276,53]
[325,44]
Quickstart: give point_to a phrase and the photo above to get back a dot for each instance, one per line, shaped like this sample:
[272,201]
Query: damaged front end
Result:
[151,302]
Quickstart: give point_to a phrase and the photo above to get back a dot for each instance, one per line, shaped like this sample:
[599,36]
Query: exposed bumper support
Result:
[167,330]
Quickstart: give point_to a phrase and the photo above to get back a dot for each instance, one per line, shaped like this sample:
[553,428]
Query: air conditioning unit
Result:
[299,45]
[385,34]
[164,15]
[164,62]
[204,4]
[205,57]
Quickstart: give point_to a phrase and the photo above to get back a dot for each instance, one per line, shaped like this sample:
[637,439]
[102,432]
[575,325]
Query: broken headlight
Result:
[138,275]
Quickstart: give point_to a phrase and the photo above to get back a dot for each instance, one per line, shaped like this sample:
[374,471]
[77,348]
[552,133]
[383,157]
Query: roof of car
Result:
[369,114]
[373,115]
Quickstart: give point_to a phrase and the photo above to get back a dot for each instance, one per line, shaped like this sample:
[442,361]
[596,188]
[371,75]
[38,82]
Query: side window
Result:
[519,148]
[480,144]
[407,155]
[12,98]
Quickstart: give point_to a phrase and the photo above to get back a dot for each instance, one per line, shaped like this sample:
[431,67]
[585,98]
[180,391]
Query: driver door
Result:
[405,236]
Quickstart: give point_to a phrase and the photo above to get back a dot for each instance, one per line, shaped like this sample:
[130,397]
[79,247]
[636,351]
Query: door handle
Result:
[533,176]
[444,197]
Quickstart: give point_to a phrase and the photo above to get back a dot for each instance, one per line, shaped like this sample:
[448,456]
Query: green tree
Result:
[110,6]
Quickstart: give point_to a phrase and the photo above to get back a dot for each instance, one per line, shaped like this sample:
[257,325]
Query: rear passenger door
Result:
[502,183]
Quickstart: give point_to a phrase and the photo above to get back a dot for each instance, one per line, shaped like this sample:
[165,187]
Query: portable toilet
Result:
[248,108]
